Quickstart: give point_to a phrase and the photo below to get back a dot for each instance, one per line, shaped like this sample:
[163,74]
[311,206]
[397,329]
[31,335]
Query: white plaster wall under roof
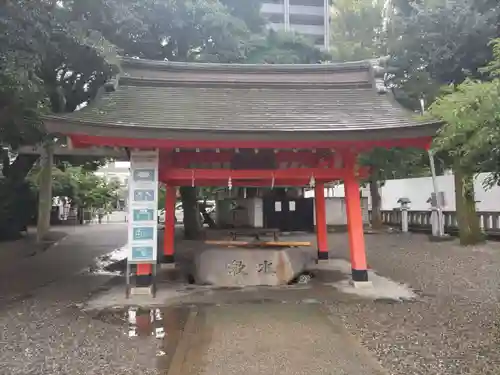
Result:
[250,213]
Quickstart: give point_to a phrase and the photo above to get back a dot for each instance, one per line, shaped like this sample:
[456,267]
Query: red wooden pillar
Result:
[169,235]
[355,228]
[321,232]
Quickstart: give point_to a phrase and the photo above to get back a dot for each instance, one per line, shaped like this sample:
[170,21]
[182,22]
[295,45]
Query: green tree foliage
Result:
[357,30]
[436,43]
[174,30]
[49,63]
[283,48]
[82,188]
[471,112]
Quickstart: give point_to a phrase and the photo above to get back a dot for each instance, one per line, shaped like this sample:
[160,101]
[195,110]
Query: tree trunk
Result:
[19,169]
[45,194]
[468,221]
[376,220]
[192,225]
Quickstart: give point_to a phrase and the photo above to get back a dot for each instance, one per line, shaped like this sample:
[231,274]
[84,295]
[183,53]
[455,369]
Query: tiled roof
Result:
[329,98]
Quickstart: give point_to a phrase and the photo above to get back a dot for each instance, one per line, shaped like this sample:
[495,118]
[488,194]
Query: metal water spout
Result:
[312,182]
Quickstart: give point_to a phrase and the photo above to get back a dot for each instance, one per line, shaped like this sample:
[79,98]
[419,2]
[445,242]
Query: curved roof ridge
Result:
[153,73]
[137,63]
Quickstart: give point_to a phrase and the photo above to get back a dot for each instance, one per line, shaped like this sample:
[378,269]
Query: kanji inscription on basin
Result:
[142,253]
[144,175]
[236,267]
[143,233]
[266,267]
[144,195]
[143,214]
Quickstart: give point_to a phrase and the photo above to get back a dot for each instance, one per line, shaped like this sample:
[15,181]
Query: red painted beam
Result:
[183,159]
[244,183]
[81,140]
[278,181]
[327,174]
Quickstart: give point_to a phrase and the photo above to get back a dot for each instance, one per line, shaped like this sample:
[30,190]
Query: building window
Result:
[318,3]
[304,19]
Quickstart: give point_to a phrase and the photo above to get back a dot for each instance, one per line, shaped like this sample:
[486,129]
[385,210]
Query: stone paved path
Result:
[280,339]
[26,246]
[21,275]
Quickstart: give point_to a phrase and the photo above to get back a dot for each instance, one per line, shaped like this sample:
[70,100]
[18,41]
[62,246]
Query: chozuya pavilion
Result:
[242,125]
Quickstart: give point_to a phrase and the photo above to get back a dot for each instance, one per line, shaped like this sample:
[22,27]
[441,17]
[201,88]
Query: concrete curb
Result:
[184,345]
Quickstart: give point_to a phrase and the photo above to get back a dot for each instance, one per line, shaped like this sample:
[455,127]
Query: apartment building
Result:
[308,17]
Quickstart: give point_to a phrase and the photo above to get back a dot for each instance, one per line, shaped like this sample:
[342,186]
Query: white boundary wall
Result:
[419,190]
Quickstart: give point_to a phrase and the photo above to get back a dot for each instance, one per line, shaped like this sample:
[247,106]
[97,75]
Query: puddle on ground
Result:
[113,263]
[142,322]
[164,325]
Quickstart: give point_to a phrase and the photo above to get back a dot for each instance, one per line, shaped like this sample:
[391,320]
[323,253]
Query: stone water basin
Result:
[248,265]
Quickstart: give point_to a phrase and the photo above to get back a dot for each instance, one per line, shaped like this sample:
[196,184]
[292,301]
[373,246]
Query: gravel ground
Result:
[452,329]
[48,334]
[44,331]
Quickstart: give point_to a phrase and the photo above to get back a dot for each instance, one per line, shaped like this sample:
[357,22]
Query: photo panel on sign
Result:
[142,215]
[140,232]
[141,175]
[143,233]
[143,195]
[142,236]
[142,253]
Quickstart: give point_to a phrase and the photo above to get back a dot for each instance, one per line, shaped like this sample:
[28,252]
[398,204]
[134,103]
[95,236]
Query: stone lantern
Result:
[405,206]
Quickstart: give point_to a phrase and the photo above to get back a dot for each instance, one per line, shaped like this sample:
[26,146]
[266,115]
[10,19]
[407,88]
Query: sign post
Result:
[143,212]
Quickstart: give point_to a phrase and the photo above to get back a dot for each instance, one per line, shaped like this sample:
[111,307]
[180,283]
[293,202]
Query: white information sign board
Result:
[143,207]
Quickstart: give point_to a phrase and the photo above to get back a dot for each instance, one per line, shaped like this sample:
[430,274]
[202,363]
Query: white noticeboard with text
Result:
[143,207]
